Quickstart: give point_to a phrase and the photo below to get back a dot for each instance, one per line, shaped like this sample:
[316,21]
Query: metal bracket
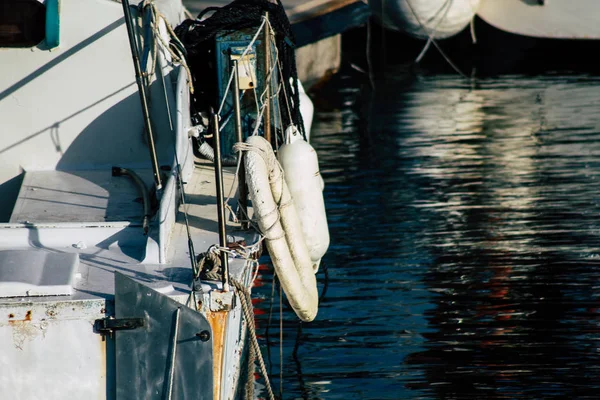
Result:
[246,67]
[221,301]
[106,326]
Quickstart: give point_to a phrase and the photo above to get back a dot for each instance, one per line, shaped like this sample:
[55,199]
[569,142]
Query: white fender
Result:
[307,109]
[301,166]
[420,18]
[277,218]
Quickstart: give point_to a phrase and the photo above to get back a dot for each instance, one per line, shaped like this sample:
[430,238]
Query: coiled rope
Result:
[246,302]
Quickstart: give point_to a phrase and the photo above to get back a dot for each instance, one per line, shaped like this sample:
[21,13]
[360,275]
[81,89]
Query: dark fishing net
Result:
[198,38]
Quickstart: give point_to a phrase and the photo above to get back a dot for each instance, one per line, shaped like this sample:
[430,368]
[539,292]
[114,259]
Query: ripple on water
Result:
[465,245]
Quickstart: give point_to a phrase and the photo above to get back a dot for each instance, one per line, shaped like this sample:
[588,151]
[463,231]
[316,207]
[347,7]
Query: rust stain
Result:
[24,331]
[218,322]
[103,367]
[14,322]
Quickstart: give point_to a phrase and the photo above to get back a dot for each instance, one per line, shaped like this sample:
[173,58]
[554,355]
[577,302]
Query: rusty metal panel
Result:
[145,360]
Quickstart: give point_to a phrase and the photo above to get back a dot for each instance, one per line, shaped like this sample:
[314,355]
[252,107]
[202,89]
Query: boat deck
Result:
[78,196]
[104,248]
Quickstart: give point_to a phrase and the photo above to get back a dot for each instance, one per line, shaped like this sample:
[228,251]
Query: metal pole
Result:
[173,355]
[267,50]
[242,192]
[220,205]
[142,92]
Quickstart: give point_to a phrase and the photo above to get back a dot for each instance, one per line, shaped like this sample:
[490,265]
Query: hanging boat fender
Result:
[278,221]
[301,166]
[307,109]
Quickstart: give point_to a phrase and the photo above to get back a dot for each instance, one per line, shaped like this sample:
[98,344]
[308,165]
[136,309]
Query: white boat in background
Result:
[424,19]
[553,19]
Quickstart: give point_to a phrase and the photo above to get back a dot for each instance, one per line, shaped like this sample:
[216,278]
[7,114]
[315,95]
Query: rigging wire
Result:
[280,342]
[155,16]
[447,4]
[178,57]
[434,42]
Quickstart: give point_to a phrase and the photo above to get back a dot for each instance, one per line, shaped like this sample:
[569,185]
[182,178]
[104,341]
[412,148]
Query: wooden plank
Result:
[317,8]
[336,21]
[297,10]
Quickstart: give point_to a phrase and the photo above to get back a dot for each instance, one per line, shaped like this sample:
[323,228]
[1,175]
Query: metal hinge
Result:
[106,326]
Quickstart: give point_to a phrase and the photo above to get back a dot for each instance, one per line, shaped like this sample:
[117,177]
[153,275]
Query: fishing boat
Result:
[125,273]
[544,19]
[425,19]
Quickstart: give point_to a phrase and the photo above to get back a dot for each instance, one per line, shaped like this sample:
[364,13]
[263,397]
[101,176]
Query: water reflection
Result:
[515,236]
[465,248]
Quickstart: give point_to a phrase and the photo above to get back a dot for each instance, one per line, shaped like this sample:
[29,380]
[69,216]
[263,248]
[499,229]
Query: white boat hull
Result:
[67,116]
[439,19]
[97,302]
[554,19]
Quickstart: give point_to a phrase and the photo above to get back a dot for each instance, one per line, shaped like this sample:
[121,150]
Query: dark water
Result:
[465,244]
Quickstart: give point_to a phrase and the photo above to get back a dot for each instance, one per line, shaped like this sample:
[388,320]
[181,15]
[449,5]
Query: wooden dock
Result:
[297,10]
[311,20]
[317,26]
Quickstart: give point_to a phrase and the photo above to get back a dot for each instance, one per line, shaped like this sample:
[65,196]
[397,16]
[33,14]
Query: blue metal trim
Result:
[52,23]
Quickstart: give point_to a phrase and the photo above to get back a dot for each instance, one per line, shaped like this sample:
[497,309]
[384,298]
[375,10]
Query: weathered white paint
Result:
[555,19]
[48,351]
[67,117]
[76,107]
[439,19]
[235,338]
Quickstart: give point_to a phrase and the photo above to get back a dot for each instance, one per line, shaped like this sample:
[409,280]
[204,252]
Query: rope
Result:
[368,55]
[249,390]
[260,105]
[287,102]
[280,342]
[154,20]
[231,77]
[445,6]
[271,302]
[178,57]
[246,302]
[209,263]
[197,34]
[248,48]
[243,146]
[434,42]
[187,13]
